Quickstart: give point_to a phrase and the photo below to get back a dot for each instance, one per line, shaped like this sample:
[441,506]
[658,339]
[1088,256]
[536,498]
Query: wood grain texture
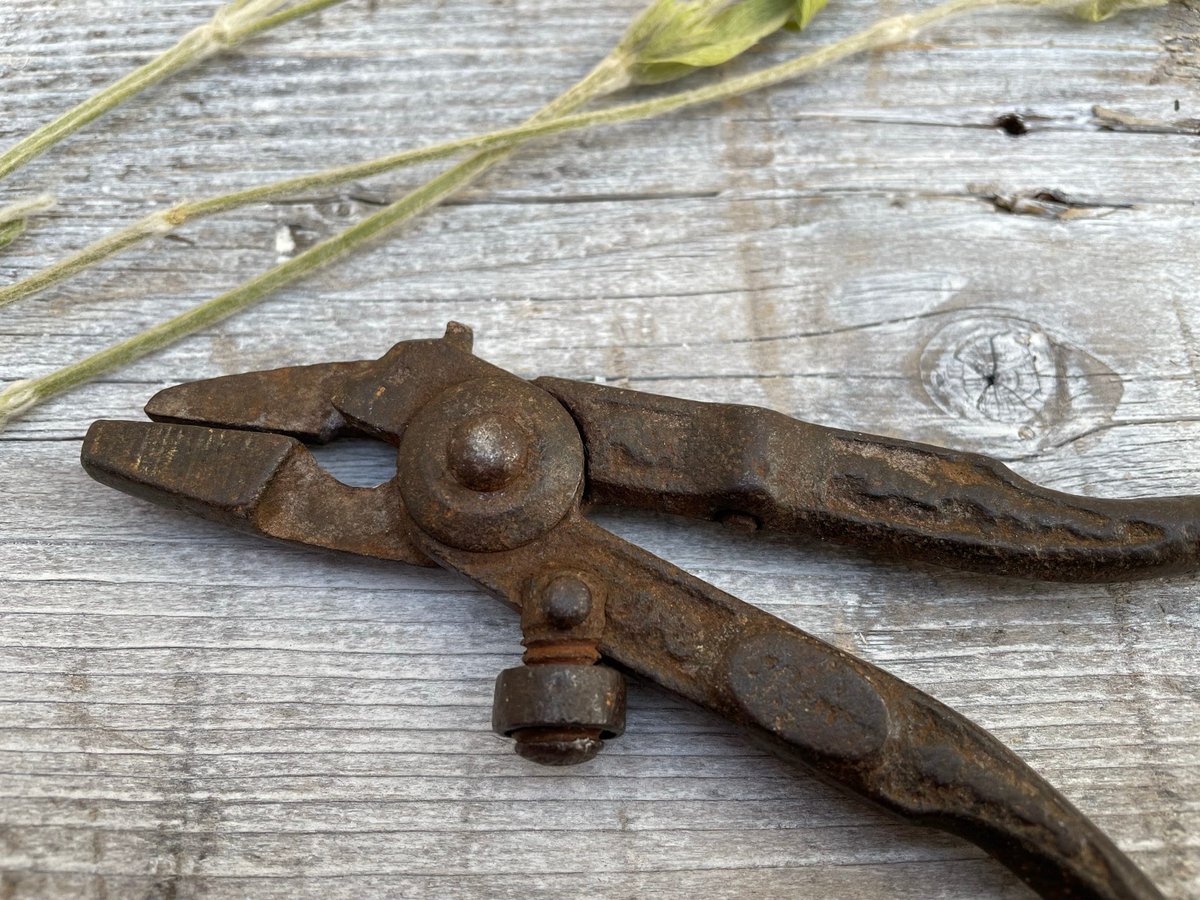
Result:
[187,712]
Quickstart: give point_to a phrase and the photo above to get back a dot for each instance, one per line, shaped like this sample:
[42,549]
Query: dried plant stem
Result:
[23,395]
[231,25]
[555,118]
[882,34]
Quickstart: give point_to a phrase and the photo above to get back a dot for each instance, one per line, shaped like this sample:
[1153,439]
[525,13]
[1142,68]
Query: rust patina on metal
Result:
[494,474]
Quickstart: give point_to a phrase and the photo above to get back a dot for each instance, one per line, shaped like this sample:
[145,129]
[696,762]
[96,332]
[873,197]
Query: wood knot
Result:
[1019,385]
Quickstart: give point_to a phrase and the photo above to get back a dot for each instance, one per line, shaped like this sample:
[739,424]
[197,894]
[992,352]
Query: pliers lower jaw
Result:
[493,473]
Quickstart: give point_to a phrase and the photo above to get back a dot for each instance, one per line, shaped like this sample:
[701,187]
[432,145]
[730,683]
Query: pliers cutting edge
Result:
[494,474]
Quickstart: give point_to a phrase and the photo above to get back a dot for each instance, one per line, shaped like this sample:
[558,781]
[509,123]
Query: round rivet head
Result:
[567,601]
[490,464]
[487,452]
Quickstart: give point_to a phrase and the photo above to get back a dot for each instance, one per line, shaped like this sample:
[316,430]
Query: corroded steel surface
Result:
[894,498]
[493,476]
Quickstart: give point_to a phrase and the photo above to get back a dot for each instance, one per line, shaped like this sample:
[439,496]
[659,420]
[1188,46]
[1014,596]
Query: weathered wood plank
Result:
[188,712]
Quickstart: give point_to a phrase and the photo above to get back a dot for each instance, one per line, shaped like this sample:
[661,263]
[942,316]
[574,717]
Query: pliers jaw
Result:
[492,473]
[267,484]
[297,401]
[230,448]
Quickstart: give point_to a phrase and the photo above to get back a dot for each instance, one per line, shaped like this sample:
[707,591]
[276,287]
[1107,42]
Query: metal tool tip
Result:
[91,452]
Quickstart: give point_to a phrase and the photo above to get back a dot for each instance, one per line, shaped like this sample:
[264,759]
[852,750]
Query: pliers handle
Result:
[893,498]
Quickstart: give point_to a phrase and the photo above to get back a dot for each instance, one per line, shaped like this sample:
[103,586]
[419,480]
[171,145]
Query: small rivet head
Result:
[567,601]
[487,452]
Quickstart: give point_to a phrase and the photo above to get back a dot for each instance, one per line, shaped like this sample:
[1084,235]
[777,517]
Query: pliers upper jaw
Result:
[295,401]
[319,403]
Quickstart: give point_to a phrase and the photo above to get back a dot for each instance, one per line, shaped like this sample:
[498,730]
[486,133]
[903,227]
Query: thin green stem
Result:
[93,253]
[23,395]
[882,34]
[182,54]
[165,221]
[283,16]
[231,25]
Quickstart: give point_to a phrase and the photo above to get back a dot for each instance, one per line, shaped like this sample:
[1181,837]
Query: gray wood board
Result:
[187,712]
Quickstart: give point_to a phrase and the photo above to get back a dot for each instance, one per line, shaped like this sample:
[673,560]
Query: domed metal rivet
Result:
[487,452]
[490,464]
[567,601]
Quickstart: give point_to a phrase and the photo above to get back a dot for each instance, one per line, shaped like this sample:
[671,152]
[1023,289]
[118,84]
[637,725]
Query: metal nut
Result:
[559,714]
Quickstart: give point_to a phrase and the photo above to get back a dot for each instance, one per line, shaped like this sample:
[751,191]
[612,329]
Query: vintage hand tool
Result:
[493,476]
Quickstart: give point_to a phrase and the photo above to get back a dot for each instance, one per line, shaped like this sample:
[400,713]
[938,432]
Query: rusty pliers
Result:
[493,476]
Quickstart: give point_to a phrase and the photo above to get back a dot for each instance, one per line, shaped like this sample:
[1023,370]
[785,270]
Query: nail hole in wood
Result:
[1011,124]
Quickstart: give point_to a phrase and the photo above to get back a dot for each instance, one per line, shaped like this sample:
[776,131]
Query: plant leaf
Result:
[805,10]
[1099,10]
[675,37]
[731,32]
